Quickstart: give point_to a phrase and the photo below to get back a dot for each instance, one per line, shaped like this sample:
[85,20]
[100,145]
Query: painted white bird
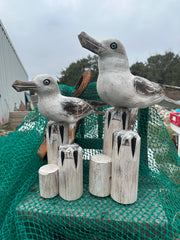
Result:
[53,105]
[117,86]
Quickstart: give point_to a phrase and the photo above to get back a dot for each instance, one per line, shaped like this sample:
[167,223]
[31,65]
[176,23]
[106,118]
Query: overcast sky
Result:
[44,32]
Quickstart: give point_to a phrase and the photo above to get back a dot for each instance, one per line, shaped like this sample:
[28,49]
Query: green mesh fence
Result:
[25,215]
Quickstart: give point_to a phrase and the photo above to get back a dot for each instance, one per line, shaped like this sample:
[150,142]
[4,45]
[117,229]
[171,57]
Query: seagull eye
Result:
[46,82]
[113,45]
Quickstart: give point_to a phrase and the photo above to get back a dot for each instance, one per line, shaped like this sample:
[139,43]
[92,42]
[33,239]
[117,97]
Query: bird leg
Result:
[132,118]
[50,123]
[72,133]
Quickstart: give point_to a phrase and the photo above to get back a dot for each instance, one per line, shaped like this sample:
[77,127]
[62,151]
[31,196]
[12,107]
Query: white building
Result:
[11,69]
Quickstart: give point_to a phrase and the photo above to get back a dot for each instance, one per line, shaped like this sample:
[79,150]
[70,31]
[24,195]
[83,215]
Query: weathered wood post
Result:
[100,175]
[125,166]
[70,163]
[49,181]
[116,119]
[57,134]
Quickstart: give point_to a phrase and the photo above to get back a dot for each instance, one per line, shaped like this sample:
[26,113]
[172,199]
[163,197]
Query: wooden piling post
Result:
[100,175]
[57,134]
[49,181]
[70,163]
[116,119]
[125,166]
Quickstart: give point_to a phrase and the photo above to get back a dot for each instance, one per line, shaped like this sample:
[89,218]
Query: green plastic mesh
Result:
[25,215]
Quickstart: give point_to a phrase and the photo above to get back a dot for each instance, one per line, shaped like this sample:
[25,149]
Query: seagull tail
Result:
[172,96]
[172,92]
[170,103]
[97,103]
[99,112]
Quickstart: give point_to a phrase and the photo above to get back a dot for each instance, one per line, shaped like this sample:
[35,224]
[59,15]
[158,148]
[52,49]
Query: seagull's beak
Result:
[90,43]
[20,86]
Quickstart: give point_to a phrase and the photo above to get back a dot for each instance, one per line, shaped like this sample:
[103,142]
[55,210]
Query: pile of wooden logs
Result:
[114,172]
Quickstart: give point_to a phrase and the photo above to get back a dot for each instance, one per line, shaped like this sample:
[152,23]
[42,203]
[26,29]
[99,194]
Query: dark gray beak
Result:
[90,43]
[20,86]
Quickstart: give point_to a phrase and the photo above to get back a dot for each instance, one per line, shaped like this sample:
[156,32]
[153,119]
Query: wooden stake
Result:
[100,175]
[49,181]
[57,134]
[116,119]
[125,166]
[70,163]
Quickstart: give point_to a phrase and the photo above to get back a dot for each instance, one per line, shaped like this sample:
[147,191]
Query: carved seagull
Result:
[117,86]
[53,105]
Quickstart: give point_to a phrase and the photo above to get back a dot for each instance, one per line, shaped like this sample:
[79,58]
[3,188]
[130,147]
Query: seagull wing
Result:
[77,108]
[146,87]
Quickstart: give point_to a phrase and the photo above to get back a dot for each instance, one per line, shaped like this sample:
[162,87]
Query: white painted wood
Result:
[116,119]
[177,130]
[70,163]
[100,175]
[125,166]
[49,181]
[57,134]
[179,145]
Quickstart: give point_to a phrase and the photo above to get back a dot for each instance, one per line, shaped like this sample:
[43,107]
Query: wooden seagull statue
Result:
[117,86]
[53,105]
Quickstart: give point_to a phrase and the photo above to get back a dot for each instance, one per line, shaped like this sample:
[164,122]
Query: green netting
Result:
[25,215]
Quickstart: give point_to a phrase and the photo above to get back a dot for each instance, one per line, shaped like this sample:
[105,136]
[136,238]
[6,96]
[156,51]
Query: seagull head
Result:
[111,52]
[110,47]
[41,84]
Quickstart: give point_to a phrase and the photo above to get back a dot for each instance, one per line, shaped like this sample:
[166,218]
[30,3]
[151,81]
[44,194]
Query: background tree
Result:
[159,68]
[139,69]
[71,74]
[164,69]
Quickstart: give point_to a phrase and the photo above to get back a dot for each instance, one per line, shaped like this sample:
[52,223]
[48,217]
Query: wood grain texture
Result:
[15,118]
[125,166]
[115,120]
[100,175]
[70,163]
[49,181]
[57,134]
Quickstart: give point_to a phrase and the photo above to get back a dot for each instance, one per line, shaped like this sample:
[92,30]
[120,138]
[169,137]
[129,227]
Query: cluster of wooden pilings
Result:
[114,172]
[63,174]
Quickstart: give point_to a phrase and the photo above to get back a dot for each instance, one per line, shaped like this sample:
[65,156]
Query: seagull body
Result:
[64,109]
[53,105]
[123,93]
[117,86]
